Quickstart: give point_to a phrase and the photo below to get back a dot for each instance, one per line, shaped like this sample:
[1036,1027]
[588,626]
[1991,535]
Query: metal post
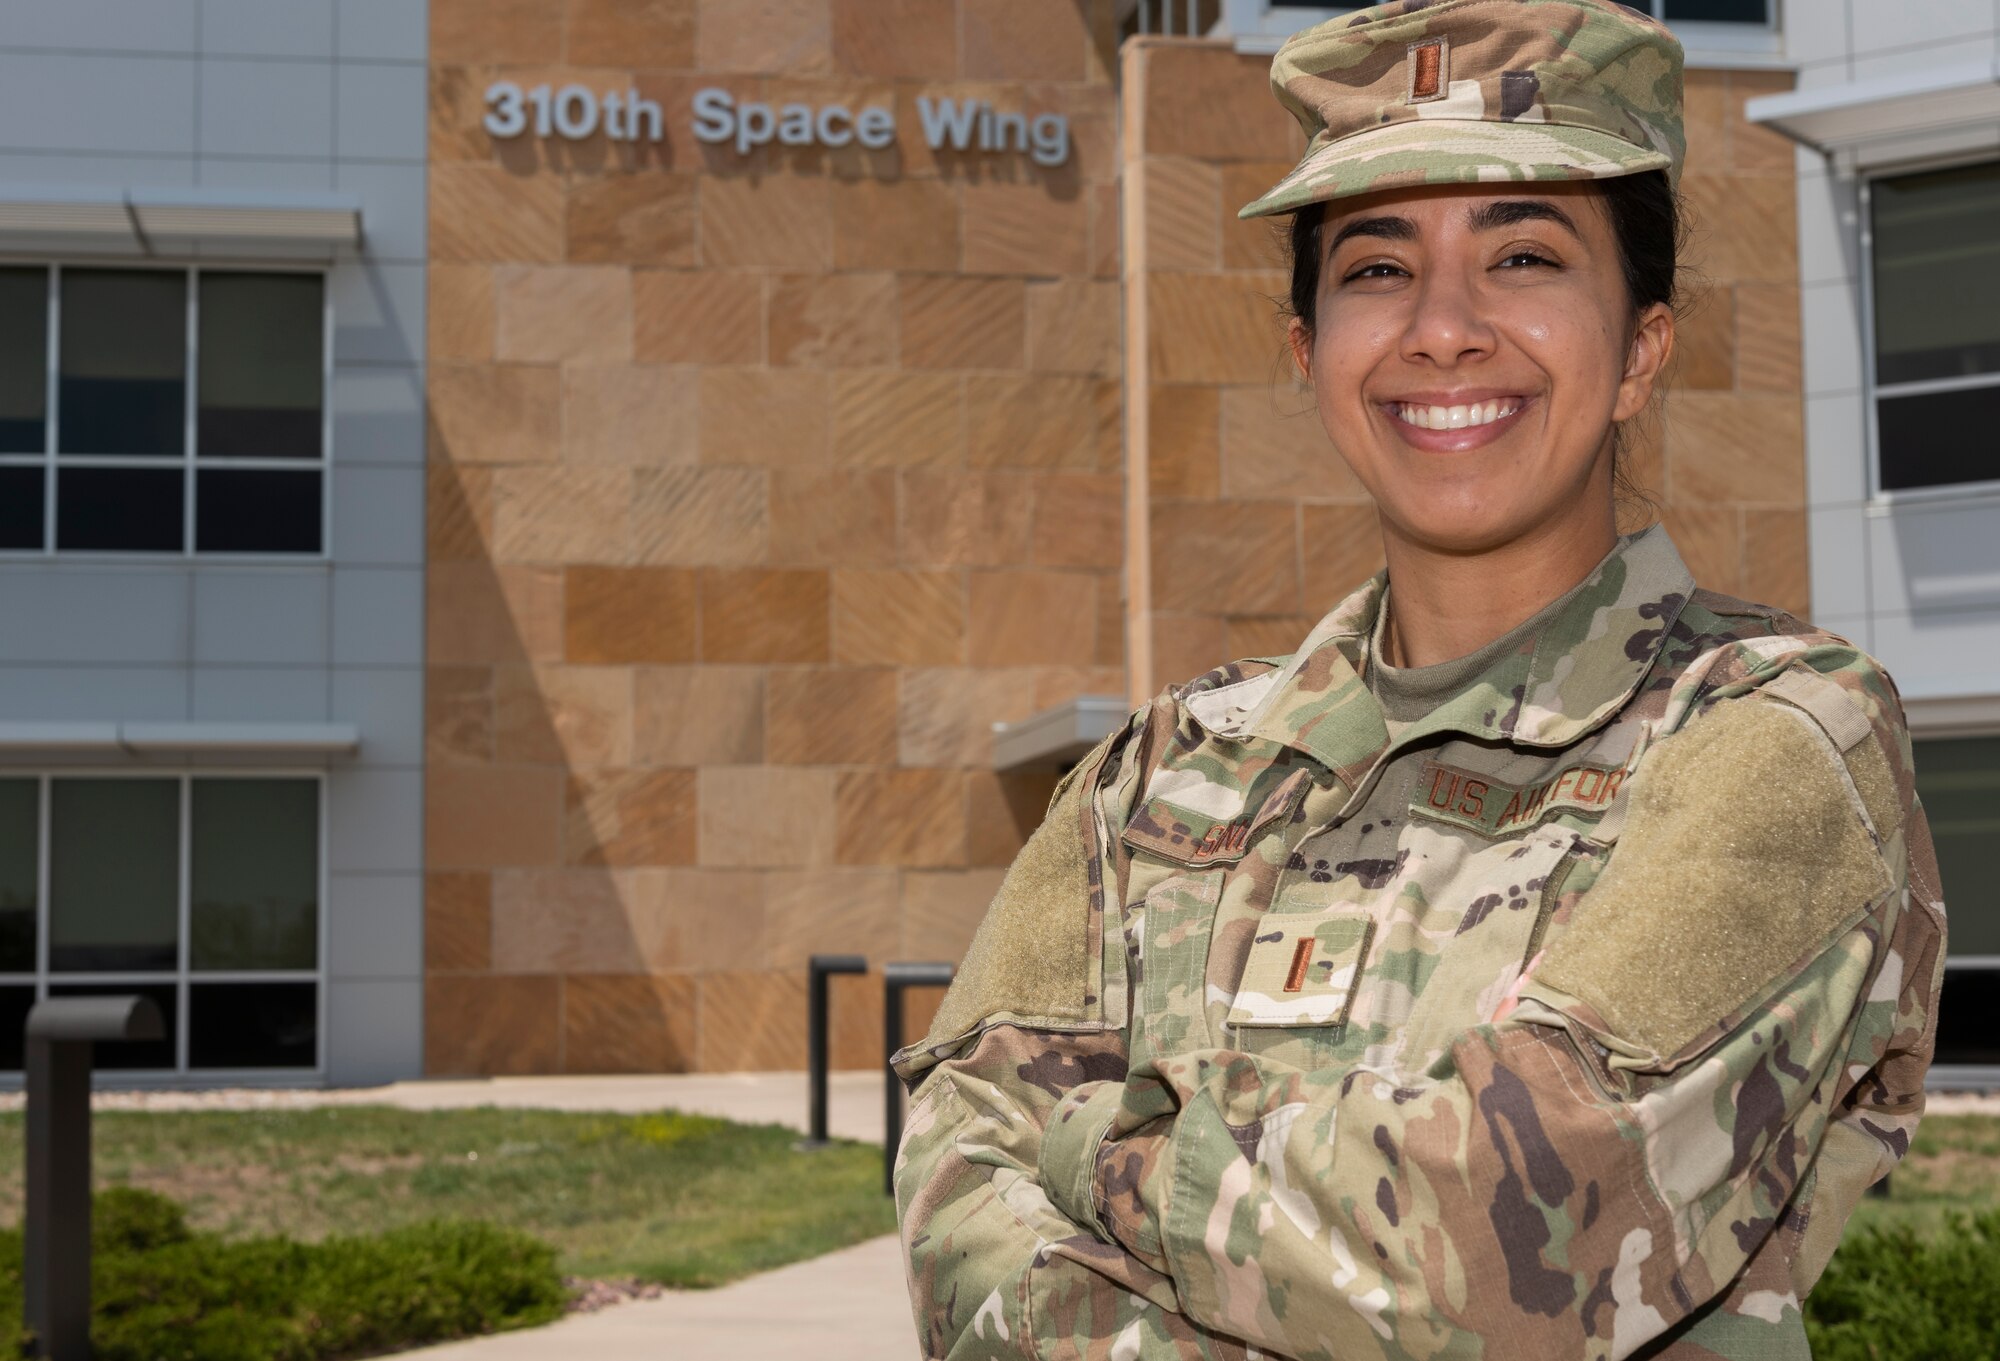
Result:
[55,1267]
[818,1003]
[896,978]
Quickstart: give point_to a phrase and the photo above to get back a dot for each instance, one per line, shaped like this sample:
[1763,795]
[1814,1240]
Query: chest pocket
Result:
[1302,970]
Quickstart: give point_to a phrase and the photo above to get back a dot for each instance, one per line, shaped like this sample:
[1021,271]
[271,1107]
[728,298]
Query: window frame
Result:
[1262,26]
[1959,1076]
[188,460]
[1872,389]
[182,977]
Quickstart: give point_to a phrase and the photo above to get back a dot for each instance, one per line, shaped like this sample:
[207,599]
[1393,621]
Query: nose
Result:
[1447,326]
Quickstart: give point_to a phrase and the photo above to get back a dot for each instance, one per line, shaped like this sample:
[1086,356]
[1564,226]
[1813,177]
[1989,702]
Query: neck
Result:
[1447,605]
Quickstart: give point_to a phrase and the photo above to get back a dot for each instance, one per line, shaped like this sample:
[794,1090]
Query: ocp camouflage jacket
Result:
[1571,1022]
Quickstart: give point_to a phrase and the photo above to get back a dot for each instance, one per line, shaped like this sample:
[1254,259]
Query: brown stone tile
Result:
[1002,810]
[1705,120]
[1112,622]
[629,614]
[1022,40]
[766,816]
[1267,635]
[629,817]
[1226,557]
[1023,228]
[896,38]
[563,715]
[941,910]
[1206,102]
[632,219]
[1057,685]
[830,716]
[476,612]
[754,1022]
[629,1023]
[755,615]
[1185,443]
[707,517]
[1710,541]
[790,37]
[904,224]
[476,31]
[1767,337]
[882,418]
[1107,244]
[1734,447]
[1214,328]
[899,817]
[1641,464]
[947,715]
[460,312]
[839,517]
[1705,342]
[1775,560]
[566,921]
[1262,242]
[1074,327]
[562,513]
[1743,228]
[965,519]
[897,618]
[1185,646]
[766,221]
[1031,421]
[487,212]
[718,916]
[1079,520]
[697,715]
[458,919]
[1755,149]
[485,1026]
[959,323]
[482,817]
[1342,547]
[631,32]
[833,320]
[458,714]
[458,516]
[1183,213]
[628,413]
[456,106]
[495,413]
[763,416]
[1028,618]
[827,912]
[568,312]
[697,317]
[1273,445]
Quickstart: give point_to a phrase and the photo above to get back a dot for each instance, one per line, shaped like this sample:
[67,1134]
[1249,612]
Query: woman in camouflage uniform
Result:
[1541,960]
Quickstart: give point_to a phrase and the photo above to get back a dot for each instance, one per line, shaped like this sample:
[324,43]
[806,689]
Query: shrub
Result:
[1890,1295]
[160,1292]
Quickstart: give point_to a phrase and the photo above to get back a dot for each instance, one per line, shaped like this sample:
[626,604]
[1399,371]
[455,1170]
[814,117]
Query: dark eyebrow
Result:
[1488,217]
[1388,228]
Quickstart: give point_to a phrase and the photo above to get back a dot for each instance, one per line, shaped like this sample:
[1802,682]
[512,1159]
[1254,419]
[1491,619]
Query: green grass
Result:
[1953,1164]
[679,1199]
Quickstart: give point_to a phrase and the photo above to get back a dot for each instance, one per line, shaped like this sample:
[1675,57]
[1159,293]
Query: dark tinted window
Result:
[132,1053]
[20,860]
[1718,11]
[123,378]
[255,872]
[253,1025]
[262,352]
[24,360]
[1937,274]
[114,874]
[124,509]
[1931,439]
[257,511]
[14,1004]
[20,507]
[1958,780]
[1968,1023]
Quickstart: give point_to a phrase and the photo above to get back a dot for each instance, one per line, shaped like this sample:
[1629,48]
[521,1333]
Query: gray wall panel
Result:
[387,704]
[93,614]
[101,25]
[378,616]
[375,820]
[268,28]
[129,105]
[276,615]
[261,693]
[378,515]
[381,112]
[266,108]
[375,1031]
[379,924]
[378,415]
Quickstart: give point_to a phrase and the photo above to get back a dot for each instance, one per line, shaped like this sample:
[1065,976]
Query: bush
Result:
[160,1292]
[1889,1295]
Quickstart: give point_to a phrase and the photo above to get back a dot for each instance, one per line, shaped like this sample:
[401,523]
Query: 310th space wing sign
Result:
[718,118]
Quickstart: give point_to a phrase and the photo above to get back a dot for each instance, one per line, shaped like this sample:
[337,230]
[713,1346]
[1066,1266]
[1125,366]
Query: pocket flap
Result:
[1303,968]
[1178,831]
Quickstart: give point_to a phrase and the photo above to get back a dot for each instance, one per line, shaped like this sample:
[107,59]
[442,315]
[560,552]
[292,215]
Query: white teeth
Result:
[1454,417]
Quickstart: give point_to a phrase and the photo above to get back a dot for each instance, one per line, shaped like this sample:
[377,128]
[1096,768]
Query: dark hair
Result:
[1645,221]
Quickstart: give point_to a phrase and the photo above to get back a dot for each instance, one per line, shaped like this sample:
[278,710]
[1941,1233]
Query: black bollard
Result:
[895,978]
[818,1003]
[55,1265]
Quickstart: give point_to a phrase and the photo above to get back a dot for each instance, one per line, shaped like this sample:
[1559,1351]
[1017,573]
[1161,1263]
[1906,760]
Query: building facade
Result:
[754,442]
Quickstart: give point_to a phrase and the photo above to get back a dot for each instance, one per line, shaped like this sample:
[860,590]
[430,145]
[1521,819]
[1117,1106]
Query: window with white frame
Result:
[147,410]
[199,891]
[1934,275]
[1958,780]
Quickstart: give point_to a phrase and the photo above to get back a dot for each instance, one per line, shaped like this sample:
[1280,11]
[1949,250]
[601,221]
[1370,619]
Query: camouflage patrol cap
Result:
[1472,91]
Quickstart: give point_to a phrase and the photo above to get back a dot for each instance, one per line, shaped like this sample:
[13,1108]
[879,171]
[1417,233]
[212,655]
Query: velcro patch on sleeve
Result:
[1303,968]
[1743,855]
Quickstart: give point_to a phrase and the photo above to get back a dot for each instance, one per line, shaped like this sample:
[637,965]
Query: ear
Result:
[1652,347]
[1300,341]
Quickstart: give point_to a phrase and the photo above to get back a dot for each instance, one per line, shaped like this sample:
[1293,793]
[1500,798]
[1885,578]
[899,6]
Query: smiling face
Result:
[1471,351]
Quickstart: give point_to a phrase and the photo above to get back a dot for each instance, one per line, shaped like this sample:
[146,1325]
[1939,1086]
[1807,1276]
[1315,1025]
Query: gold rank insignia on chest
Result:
[1482,804]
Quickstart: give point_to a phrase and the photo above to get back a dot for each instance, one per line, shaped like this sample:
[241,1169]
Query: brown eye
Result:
[1527,257]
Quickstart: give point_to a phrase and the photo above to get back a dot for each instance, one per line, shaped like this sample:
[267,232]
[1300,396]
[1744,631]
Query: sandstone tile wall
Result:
[759,489]
[1246,526]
